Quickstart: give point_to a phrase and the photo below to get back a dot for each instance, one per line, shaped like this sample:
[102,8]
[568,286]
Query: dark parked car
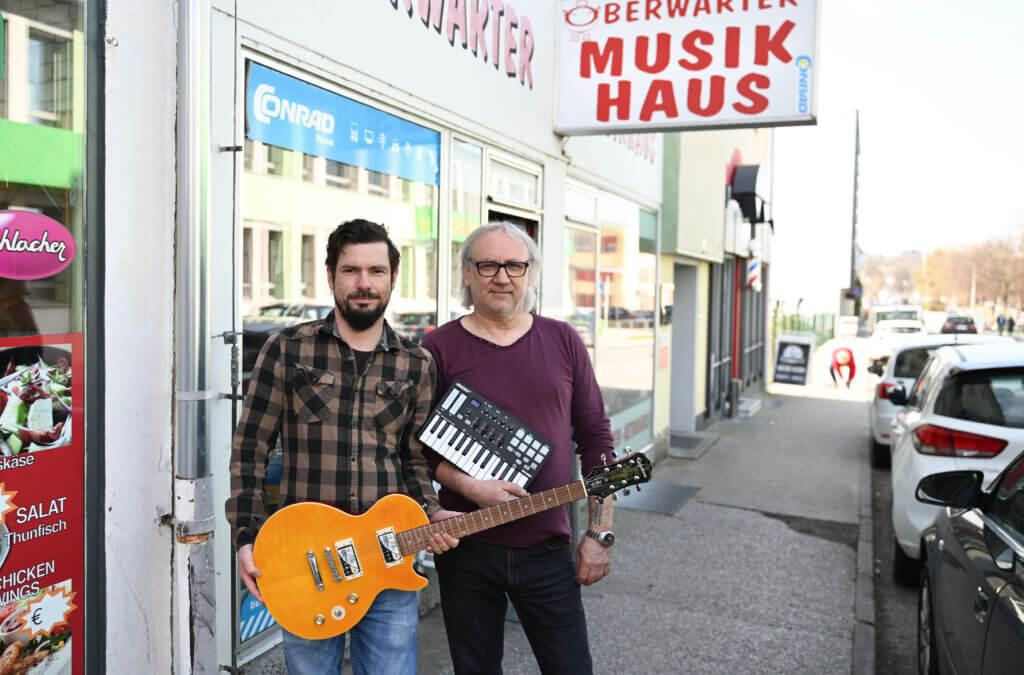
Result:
[415,325]
[958,323]
[268,320]
[971,598]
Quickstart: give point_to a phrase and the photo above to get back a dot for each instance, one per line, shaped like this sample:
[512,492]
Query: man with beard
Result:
[345,394]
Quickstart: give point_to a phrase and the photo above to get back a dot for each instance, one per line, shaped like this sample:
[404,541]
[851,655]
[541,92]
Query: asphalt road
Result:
[895,605]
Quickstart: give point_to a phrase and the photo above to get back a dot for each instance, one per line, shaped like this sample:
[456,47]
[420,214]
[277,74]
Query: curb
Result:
[863,662]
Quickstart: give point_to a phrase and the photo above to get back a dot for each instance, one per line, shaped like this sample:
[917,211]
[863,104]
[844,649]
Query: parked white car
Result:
[890,332]
[965,412]
[902,367]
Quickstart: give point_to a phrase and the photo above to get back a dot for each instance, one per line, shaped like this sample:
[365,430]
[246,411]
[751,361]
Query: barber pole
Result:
[754,274]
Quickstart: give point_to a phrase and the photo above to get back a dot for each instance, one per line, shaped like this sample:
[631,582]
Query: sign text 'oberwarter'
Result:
[661,65]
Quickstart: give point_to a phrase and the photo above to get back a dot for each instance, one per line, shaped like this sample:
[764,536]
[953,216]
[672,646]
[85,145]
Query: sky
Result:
[939,86]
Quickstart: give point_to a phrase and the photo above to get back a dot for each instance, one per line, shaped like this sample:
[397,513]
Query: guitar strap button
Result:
[353,598]
[319,619]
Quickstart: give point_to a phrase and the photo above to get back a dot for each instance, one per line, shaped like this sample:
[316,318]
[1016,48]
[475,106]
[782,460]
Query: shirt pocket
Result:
[390,405]
[315,395]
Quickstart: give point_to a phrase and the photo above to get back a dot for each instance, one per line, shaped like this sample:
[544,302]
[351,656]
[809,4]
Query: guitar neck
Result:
[415,539]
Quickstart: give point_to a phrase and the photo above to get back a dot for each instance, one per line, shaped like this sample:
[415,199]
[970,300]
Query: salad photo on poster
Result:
[35,398]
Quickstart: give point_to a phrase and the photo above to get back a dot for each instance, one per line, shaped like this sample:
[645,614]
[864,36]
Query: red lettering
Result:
[525,51]
[497,9]
[732,47]
[782,3]
[661,57]
[652,9]
[430,12]
[674,8]
[661,97]
[589,53]
[715,97]
[765,43]
[605,101]
[703,58]
[745,87]
[763,4]
[477,21]
[633,10]
[724,5]
[702,4]
[611,12]
[511,22]
[456,20]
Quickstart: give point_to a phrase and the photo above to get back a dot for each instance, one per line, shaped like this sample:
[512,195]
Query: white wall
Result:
[140,194]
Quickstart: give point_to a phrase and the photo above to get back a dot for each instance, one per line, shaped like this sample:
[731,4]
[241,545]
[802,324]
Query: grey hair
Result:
[532,251]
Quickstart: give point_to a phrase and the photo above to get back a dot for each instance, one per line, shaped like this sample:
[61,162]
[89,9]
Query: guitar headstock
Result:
[605,480]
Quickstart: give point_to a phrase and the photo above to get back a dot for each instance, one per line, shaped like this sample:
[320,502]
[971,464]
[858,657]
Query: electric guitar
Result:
[321,568]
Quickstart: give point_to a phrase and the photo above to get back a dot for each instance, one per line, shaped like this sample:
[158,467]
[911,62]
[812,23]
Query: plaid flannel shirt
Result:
[348,437]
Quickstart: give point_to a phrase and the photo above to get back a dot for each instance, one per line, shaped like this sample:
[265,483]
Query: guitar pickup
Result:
[350,567]
[389,547]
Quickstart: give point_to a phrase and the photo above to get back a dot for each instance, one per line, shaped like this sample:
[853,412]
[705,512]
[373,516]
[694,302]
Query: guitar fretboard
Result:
[415,539]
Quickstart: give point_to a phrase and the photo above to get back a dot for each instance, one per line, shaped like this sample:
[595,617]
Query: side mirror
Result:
[876,369]
[959,489]
[898,395]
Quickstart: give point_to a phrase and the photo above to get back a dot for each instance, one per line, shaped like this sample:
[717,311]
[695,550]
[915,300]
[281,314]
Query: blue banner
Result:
[289,113]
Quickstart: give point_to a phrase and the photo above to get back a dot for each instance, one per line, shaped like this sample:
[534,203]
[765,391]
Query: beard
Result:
[361,319]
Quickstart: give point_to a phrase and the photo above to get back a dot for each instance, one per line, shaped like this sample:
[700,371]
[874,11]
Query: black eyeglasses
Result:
[489,268]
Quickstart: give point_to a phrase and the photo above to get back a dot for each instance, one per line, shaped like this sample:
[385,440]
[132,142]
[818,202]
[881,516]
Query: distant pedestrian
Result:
[842,357]
[1010,323]
[1001,323]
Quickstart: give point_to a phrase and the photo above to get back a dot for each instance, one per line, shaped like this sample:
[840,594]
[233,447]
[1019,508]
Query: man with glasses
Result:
[537,370]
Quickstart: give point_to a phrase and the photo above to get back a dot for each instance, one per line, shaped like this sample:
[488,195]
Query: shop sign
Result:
[490,29]
[793,358]
[42,501]
[669,65]
[33,246]
[289,113]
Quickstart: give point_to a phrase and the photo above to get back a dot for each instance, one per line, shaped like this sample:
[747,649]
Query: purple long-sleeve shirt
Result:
[546,380]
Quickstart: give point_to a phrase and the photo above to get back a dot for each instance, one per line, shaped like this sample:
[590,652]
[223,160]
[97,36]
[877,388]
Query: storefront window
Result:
[357,162]
[42,307]
[512,184]
[467,209]
[580,302]
[626,297]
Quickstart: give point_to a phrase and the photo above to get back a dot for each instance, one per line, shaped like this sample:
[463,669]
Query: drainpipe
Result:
[193,580]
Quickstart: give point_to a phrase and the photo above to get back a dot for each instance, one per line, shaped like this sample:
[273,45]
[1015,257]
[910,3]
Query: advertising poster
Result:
[42,504]
[793,358]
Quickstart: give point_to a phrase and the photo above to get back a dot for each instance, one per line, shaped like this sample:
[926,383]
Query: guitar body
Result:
[322,568]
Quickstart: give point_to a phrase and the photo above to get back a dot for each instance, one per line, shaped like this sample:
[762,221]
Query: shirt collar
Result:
[387,336]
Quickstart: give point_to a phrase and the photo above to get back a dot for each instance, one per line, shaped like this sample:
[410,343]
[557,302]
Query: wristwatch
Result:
[605,538]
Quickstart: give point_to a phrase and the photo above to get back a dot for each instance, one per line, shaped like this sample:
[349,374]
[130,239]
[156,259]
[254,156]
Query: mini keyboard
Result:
[482,439]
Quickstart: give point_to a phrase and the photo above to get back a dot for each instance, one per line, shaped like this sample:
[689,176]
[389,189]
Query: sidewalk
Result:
[756,572]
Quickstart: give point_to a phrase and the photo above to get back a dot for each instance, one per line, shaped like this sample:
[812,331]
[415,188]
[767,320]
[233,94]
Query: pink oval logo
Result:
[33,246]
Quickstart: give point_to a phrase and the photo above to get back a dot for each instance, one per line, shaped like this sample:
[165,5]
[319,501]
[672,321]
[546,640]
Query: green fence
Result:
[823,326]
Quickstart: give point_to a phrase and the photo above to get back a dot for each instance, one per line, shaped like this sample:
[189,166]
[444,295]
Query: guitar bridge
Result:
[389,547]
[350,566]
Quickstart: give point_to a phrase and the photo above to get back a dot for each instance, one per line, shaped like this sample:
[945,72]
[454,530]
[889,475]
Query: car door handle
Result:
[981,605]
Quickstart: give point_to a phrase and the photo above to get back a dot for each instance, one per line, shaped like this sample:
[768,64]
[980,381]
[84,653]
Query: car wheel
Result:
[905,570]
[927,654]
[881,456]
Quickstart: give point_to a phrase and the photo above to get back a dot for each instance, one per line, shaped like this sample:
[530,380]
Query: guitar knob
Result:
[353,598]
[319,619]
[338,612]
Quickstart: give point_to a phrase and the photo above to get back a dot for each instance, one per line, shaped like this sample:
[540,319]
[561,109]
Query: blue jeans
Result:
[383,642]
[478,579]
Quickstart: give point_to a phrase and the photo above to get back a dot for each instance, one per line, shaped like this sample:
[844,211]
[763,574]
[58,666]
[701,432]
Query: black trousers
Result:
[475,579]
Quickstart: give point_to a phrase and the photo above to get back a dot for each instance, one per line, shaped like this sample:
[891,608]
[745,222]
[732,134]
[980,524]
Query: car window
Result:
[1007,508]
[910,362]
[923,381]
[987,396]
[907,314]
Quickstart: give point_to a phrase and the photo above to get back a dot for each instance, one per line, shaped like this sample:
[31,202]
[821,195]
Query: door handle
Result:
[981,605]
